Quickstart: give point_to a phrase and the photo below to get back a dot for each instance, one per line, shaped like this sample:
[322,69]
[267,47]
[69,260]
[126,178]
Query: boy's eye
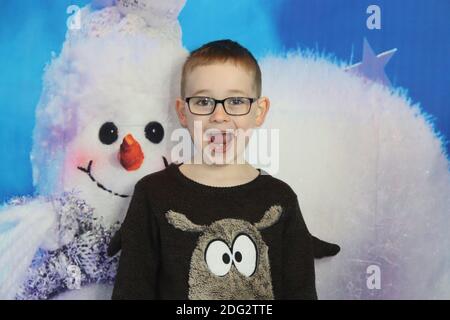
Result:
[203,102]
[235,101]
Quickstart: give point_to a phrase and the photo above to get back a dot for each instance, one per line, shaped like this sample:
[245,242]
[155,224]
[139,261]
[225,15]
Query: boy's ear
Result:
[180,107]
[263,105]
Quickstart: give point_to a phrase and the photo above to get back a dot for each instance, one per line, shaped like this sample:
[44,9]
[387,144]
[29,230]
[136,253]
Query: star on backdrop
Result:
[372,66]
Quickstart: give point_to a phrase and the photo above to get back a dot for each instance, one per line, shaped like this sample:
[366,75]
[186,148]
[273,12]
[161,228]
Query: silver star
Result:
[372,66]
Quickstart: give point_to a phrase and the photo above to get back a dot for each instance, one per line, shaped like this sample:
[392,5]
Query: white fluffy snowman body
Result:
[371,175]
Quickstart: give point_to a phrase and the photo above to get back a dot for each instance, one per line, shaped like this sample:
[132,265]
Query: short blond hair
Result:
[222,51]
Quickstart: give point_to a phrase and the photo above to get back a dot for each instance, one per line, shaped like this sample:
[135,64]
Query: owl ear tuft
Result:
[271,216]
[180,221]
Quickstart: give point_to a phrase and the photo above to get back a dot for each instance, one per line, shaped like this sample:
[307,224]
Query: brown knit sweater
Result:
[185,240]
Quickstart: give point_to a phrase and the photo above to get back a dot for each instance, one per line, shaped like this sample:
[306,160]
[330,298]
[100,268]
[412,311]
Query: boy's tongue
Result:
[219,138]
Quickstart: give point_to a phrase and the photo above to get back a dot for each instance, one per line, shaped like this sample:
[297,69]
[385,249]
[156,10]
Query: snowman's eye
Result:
[245,255]
[108,133]
[218,257]
[154,132]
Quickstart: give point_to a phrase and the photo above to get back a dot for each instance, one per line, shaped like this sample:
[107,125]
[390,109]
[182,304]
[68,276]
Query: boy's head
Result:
[221,70]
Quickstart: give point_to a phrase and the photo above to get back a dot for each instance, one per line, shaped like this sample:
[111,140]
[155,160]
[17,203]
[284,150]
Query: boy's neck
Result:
[226,175]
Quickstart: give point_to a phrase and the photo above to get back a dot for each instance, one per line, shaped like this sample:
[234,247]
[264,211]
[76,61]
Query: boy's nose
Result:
[219,113]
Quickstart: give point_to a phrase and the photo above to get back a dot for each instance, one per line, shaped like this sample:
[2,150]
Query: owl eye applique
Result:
[244,255]
[219,257]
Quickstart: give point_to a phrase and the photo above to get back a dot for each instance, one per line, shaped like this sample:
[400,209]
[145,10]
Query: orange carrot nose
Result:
[130,155]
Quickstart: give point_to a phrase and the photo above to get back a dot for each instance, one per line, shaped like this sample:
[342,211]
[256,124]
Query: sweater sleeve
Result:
[298,257]
[138,263]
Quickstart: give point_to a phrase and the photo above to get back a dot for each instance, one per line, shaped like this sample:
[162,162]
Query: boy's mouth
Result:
[220,140]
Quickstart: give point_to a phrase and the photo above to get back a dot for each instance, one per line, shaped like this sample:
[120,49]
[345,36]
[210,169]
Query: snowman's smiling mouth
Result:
[101,186]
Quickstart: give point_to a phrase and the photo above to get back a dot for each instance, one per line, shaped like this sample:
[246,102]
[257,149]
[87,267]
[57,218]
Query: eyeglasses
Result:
[234,106]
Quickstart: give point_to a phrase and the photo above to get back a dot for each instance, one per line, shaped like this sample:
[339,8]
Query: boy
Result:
[220,229]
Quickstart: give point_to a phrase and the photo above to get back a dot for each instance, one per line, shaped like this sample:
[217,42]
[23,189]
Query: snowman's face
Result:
[113,155]
[126,141]
[120,109]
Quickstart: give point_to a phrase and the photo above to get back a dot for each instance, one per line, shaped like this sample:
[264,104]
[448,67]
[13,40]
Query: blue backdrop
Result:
[30,30]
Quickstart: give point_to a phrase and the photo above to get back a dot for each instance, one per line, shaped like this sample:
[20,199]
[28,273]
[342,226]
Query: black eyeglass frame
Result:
[216,101]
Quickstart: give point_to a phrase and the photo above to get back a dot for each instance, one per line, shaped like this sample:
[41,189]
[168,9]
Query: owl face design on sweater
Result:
[231,259]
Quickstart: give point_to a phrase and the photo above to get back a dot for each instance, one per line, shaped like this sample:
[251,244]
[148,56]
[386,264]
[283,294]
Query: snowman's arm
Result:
[23,228]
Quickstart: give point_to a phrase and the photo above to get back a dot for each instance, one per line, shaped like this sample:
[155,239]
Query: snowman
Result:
[102,123]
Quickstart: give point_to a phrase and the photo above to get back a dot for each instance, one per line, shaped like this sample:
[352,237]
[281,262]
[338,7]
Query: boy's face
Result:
[220,81]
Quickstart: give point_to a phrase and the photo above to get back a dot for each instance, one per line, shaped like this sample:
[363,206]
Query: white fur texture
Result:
[18,243]
[371,175]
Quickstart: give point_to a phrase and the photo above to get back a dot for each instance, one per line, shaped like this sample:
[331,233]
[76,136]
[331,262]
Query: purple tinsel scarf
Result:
[82,260]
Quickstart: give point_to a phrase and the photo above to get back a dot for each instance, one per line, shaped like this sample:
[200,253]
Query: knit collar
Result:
[174,169]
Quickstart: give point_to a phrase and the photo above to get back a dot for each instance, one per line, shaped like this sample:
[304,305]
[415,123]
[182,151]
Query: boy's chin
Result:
[221,159]
[224,162]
